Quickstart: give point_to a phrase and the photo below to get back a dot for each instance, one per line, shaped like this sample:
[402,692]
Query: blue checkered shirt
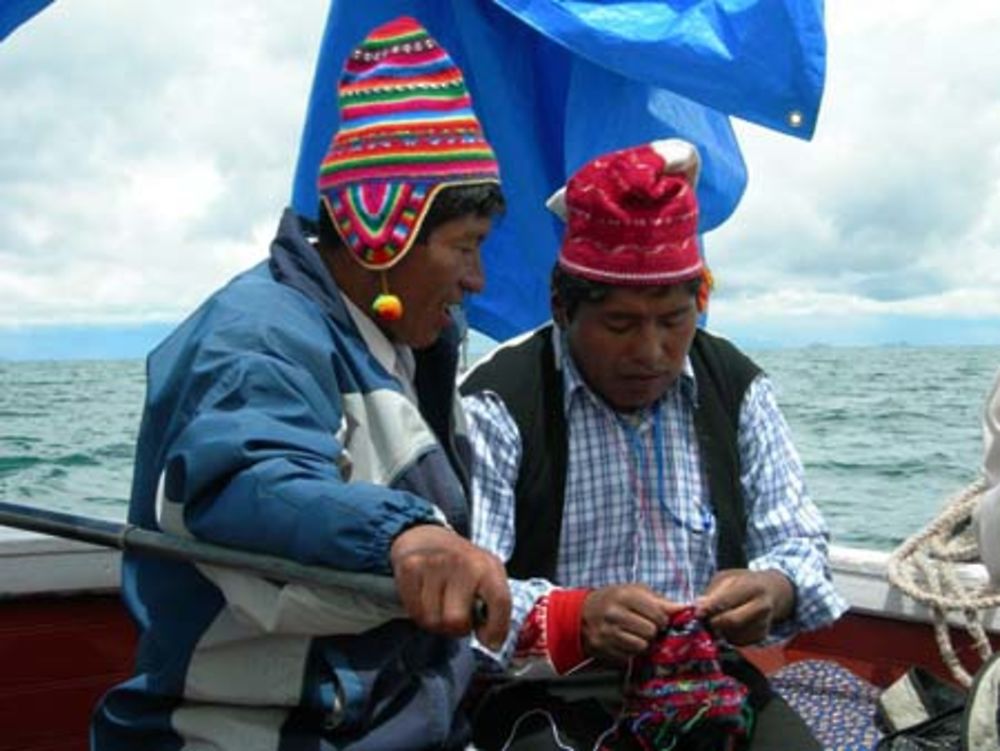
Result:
[631,517]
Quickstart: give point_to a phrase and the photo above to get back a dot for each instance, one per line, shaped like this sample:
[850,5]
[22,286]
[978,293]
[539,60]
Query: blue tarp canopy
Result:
[557,82]
[15,12]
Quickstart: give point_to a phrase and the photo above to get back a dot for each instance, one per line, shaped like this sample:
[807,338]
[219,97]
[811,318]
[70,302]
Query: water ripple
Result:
[886,435]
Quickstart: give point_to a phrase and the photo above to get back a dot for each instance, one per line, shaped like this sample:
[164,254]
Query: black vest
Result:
[528,379]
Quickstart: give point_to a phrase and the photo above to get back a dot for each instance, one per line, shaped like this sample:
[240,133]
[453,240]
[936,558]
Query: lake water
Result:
[886,434]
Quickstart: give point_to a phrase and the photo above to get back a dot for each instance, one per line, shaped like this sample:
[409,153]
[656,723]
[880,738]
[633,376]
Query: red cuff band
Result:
[562,626]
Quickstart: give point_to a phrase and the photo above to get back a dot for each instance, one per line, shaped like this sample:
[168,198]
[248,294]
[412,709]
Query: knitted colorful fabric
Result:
[407,129]
[677,696]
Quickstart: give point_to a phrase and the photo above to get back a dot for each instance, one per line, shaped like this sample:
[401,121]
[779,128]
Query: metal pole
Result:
[132,538]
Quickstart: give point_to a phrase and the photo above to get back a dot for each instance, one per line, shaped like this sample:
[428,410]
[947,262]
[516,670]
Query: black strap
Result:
[434,382]
[722,374]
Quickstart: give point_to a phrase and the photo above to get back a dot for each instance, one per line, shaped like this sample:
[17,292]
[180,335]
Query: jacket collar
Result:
[296,262]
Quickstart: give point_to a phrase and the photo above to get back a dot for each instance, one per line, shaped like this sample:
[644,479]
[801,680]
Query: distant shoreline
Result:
[481,345]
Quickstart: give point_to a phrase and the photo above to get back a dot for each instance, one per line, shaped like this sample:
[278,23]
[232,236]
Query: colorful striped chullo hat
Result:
[407,129]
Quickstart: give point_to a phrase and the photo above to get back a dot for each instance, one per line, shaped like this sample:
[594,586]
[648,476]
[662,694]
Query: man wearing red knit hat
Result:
[636,476]
[308,410]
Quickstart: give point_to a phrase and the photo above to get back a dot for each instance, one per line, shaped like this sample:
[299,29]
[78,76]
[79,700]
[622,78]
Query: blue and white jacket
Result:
[270,427]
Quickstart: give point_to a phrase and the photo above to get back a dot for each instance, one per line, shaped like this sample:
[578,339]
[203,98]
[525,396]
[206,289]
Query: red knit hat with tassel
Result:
[632,216]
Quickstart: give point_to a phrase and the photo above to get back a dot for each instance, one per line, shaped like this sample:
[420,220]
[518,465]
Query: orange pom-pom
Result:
[388,307]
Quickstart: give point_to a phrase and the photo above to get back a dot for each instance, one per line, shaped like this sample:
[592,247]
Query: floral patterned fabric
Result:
[838,706]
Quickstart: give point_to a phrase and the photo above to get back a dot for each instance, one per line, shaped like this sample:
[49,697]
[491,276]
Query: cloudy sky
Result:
[147,149]
[886,226]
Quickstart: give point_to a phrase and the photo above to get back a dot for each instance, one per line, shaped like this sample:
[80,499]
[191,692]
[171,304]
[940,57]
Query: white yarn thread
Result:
[552,726]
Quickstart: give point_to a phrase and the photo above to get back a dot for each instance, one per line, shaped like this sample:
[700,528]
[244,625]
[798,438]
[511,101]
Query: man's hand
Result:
[620,622]
[440,575]
[741,605]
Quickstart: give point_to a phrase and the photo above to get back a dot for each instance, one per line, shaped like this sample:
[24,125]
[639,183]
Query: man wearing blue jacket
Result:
[307,410]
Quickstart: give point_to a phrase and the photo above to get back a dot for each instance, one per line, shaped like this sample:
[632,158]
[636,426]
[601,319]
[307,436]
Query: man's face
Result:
[434,276]
[630,347]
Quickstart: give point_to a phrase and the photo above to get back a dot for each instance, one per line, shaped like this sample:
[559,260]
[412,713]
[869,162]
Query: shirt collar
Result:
[397,359]
[574,387]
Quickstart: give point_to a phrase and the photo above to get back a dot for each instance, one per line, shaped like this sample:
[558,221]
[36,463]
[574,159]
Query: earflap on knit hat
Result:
[678,155]
[407,130]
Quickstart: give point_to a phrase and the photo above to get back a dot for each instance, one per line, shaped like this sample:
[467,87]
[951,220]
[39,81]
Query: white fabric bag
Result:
[986,518]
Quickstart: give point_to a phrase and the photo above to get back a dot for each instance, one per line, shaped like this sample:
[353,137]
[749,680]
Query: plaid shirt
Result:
[635,514]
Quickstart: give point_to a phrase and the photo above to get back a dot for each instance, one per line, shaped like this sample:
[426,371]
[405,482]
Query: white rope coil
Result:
[924,568]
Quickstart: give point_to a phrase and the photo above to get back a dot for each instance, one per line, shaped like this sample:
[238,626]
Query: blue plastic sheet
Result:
[557,83]
[13,13]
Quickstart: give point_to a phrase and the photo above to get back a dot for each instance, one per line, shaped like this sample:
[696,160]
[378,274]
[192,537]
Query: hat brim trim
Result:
[417,223]
[632,279]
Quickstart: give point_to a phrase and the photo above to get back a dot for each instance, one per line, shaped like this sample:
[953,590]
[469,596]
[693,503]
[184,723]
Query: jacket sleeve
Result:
[254,451]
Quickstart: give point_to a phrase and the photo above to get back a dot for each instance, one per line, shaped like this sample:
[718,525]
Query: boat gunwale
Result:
[73,567]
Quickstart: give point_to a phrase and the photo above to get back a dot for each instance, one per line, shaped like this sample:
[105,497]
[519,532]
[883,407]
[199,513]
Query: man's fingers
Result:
[621,621]
[457,604]
[494,593]
[636,625]
[479,585]
[426,604]
[617,649]
[650,608]
[724,595]
[745,624]
[640,599]
[440,576]
[668,610]
[709,606]
[631,644]
[409,584]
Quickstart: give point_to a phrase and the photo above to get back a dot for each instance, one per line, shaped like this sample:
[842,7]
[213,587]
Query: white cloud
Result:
[893,208]
[960,302]
[147,141]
